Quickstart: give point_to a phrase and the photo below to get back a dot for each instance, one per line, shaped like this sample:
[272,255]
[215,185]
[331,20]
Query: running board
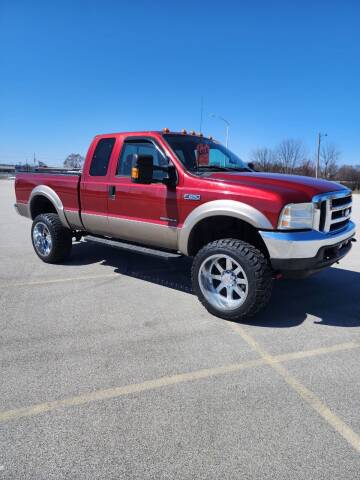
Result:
[131,247]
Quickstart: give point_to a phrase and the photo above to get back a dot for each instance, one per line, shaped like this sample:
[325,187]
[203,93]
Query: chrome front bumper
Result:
[296,245]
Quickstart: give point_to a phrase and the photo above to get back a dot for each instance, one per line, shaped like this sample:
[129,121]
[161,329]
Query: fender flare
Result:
[229,208]
[53,197]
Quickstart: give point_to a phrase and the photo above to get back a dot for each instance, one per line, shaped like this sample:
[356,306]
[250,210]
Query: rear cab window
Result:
[101,157]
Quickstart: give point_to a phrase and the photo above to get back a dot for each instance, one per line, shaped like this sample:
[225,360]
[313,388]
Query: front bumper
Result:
[310,250]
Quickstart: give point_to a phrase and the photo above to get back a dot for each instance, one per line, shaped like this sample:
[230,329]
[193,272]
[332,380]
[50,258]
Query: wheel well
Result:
[222,226]
[41,204]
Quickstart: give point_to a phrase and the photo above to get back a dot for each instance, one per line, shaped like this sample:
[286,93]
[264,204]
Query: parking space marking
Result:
[61,280]
[307,395]
[127,390]
[316,351]
[116,392]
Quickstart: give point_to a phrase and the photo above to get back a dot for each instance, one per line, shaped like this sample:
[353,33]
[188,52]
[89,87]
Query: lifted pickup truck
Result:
[186,193]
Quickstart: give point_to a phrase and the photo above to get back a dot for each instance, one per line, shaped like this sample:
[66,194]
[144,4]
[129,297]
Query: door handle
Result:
[112,192]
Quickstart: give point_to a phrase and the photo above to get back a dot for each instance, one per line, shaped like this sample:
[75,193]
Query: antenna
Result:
[201,112]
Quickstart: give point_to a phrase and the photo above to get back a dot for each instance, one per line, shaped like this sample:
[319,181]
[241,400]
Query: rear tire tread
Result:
[60,235]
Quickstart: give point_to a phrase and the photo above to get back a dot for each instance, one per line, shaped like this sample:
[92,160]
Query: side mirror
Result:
[142,169]
[171,179]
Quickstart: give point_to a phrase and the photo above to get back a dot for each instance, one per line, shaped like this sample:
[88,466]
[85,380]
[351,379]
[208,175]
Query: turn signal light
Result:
[134,173]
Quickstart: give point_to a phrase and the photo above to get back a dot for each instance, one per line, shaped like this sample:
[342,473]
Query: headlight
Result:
[296,216]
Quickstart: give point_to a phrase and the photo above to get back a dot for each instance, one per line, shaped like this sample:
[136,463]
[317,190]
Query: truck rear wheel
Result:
[51,240]
[232,279]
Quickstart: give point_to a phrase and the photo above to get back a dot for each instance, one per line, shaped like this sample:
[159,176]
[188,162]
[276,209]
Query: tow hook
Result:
[353,239]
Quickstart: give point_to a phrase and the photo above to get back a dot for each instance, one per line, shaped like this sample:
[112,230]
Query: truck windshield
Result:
[199,154]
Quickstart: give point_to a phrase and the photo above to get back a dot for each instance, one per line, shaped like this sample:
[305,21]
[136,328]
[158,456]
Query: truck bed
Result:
[65,184]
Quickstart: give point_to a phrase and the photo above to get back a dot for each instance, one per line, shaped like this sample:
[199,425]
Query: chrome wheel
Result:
[223,282]
[42,239]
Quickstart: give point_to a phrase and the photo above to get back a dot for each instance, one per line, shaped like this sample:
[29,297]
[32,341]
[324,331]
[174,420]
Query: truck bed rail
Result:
[47,170]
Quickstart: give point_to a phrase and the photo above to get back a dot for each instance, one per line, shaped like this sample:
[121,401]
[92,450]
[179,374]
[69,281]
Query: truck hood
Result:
[296,187]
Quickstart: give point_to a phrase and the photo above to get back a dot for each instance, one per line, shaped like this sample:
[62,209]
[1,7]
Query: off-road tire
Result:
[61,238]
[257,269]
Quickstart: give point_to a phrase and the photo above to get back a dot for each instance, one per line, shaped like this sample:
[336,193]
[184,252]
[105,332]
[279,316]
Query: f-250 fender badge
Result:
[192,196]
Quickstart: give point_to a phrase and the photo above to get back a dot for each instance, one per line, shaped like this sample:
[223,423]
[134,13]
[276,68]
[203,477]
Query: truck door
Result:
[94,186]
[145,214]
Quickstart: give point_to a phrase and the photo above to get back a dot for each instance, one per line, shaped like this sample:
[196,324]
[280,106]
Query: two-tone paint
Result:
[160,215]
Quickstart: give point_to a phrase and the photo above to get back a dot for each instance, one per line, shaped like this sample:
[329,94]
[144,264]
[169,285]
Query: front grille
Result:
[338,226]
[339,202]
[339,213]
[335,210]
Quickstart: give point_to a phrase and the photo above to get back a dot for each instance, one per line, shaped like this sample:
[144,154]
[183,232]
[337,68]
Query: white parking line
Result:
[162,382]
[307,395]
[61,280]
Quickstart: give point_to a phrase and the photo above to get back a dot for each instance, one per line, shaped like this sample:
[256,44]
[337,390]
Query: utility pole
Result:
[34,160]
[317,171]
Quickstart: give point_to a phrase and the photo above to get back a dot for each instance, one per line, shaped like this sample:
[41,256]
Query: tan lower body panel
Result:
[145,233]
[97,224]
[74,219]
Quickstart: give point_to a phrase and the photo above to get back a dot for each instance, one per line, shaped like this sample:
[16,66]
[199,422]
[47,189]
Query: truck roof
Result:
[164,131]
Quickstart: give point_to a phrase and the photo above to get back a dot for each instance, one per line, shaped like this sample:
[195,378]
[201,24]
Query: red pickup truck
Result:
[187,193]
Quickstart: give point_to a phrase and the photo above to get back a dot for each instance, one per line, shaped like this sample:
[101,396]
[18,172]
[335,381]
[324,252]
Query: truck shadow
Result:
[333,296]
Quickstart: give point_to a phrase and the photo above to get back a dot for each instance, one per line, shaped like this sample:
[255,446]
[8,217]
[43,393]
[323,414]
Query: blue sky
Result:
[274,69]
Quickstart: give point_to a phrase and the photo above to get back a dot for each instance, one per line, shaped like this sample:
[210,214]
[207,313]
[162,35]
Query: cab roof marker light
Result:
[166,130]
[192,132]
[183,131]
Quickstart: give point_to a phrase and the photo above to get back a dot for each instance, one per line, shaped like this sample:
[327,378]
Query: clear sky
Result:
[274,69]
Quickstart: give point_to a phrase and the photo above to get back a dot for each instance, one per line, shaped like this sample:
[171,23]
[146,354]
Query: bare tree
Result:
[290,157]
[329,157]
[264,159]
[306,167]
[349,175]
[74,161]
[289,154]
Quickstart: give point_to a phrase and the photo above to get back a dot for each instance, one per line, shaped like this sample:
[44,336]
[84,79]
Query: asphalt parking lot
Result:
[111,369]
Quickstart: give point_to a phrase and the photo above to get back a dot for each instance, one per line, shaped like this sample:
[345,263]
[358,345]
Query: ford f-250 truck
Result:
[186,193]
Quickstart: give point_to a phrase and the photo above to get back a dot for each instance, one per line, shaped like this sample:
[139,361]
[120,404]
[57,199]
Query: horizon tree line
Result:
[290,156]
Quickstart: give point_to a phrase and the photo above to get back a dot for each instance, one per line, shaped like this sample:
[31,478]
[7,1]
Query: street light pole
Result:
[317,170]
[227,124]
[227,133]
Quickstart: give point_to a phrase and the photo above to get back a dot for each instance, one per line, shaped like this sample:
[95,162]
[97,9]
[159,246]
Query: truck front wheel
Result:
[51,240]
[232,279]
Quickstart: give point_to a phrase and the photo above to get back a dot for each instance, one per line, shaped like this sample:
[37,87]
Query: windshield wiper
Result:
[215,168]
[212,167]
[239,169]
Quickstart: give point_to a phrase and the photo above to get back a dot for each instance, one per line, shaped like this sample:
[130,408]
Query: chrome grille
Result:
[334,210]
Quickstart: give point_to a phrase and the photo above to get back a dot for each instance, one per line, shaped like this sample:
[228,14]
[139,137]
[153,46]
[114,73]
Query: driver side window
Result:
[142,147]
